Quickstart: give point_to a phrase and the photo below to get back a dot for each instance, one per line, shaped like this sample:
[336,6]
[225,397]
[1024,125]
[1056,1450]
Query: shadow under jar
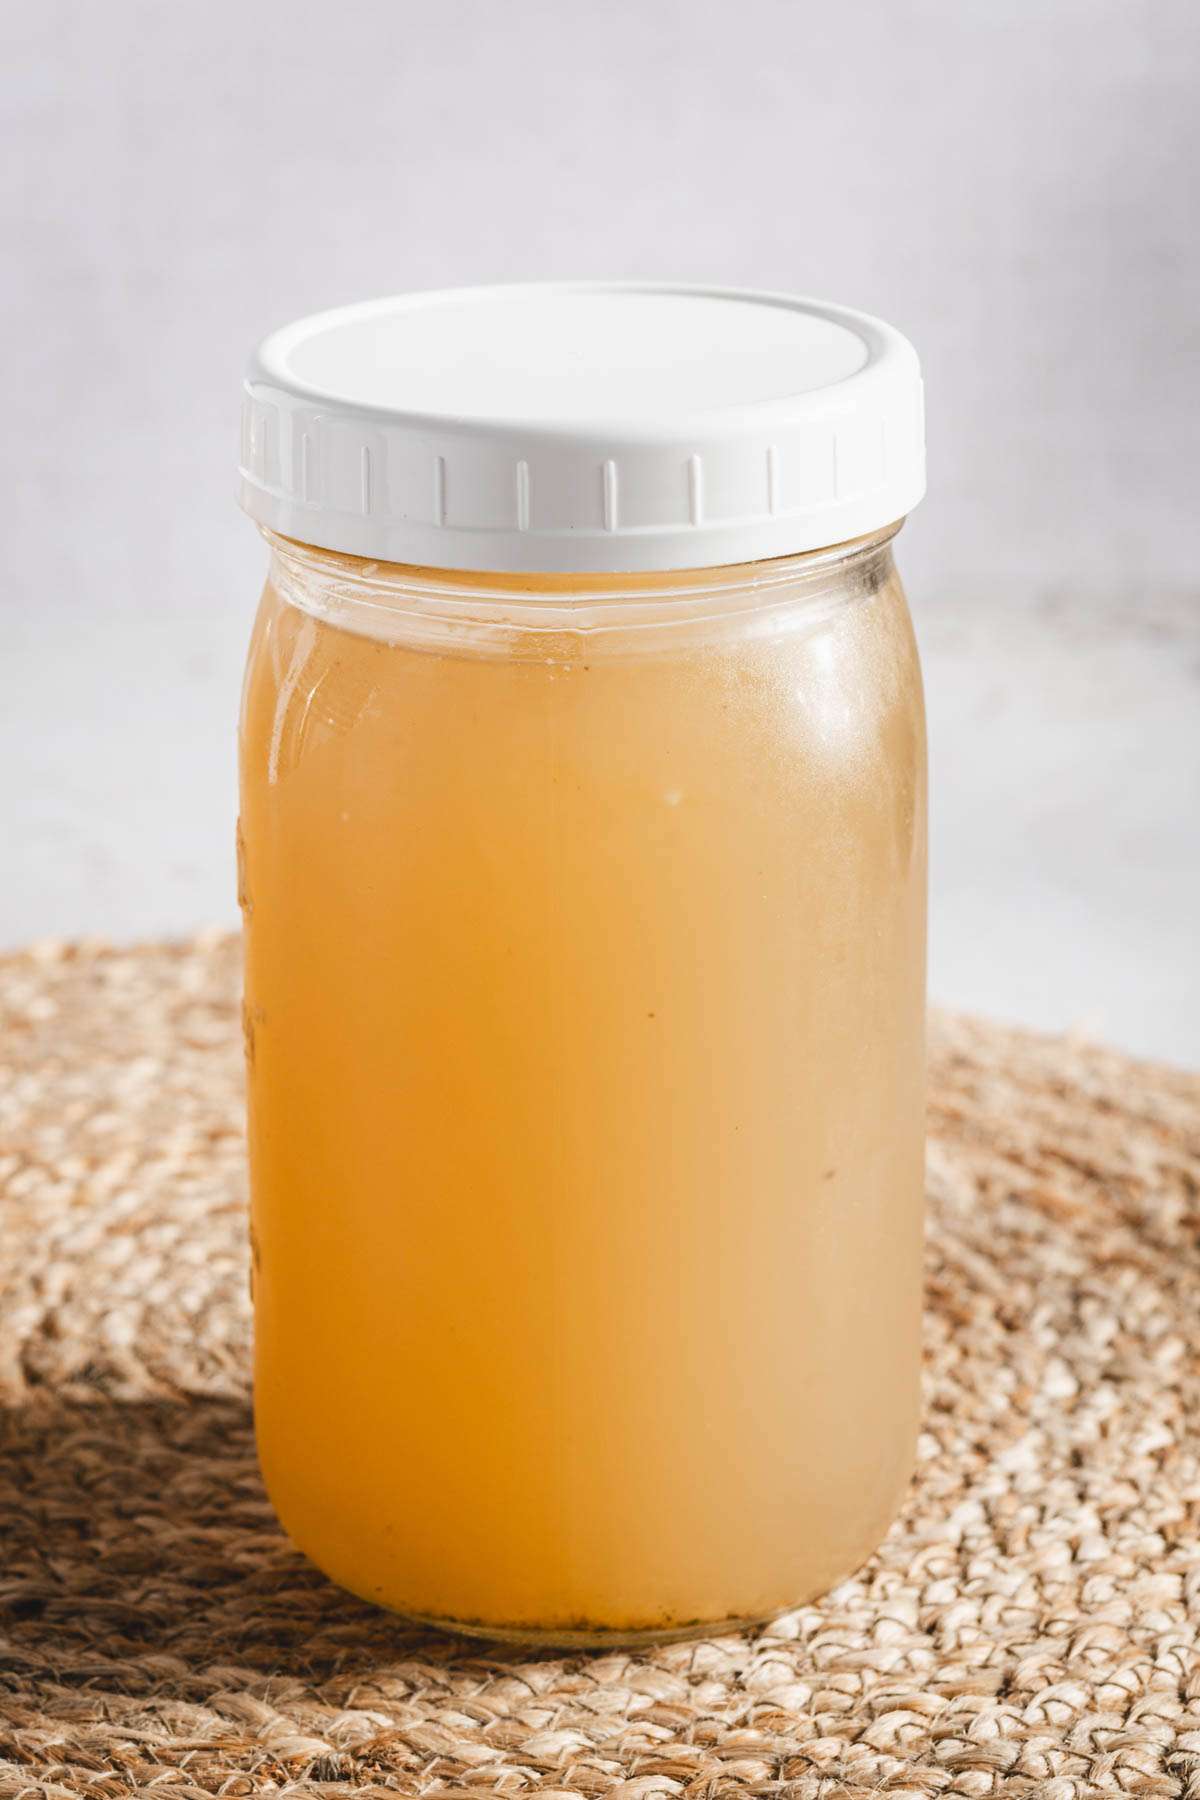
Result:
[584,908]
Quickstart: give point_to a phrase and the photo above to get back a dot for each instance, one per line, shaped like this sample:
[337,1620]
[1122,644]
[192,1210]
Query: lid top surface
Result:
[567,356]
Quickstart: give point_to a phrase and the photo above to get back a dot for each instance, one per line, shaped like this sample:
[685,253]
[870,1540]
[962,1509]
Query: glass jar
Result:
[585,923]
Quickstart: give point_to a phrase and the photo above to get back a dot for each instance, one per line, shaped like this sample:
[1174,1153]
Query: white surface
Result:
[582,426]
[178,179]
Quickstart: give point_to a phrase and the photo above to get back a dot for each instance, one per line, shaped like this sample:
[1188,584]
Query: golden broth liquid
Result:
[584,1011]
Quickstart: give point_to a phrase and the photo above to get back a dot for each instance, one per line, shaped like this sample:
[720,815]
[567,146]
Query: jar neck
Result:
[400,603]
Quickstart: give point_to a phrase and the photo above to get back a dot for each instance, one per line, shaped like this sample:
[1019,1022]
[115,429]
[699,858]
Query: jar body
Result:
[585,1017]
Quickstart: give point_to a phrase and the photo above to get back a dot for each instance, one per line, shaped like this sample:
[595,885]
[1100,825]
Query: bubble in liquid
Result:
[252,1017]
[255,1259]
[243,886]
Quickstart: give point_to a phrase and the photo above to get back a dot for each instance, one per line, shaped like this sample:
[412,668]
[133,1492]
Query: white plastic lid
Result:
[582,426]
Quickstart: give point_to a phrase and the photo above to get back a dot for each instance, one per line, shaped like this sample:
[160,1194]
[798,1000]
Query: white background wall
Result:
[1012,183]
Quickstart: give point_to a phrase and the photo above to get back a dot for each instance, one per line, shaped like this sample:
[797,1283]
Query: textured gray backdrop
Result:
[1013,184]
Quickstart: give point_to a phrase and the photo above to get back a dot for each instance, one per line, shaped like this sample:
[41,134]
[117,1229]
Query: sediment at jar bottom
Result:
[646,1629]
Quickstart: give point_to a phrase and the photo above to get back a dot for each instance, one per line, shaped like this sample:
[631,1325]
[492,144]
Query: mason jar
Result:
[582,865]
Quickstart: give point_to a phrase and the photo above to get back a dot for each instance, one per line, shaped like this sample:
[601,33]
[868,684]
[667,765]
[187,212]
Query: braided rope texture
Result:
[1030,1627]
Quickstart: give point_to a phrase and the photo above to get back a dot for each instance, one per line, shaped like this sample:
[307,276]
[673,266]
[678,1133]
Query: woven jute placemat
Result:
[1030,1626]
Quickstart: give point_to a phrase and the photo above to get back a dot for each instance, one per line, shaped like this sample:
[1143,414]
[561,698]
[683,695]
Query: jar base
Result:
[584,1637]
